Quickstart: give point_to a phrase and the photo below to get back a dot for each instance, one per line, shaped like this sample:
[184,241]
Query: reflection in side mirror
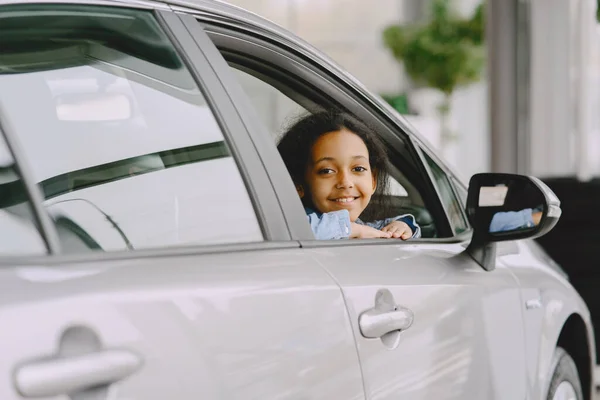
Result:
[93,107]
[508,207]
[509,221]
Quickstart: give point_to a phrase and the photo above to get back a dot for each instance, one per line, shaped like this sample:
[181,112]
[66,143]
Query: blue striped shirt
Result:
[336,224]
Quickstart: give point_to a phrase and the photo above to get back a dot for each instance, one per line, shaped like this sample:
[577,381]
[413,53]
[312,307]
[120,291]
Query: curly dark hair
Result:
[296,144]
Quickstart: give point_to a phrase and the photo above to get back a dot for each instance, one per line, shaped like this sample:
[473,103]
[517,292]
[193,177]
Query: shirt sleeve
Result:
[408,219]
[331,225]
[511,220]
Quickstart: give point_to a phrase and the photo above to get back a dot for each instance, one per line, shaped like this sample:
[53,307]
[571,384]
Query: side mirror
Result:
[508,207]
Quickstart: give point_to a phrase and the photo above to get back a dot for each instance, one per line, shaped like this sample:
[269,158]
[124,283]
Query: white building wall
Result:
[349,31]
[565,45]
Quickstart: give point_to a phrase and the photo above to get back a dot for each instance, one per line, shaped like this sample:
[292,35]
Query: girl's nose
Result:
[344,181]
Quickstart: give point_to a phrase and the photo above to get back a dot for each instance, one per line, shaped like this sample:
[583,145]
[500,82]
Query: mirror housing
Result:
[507,207]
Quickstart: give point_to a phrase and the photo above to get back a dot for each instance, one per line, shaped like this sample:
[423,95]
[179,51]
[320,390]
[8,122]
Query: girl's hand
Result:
[399,229]
[366,232]
[537,217]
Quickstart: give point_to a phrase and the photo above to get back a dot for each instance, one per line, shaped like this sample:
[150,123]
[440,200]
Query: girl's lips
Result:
[344,200]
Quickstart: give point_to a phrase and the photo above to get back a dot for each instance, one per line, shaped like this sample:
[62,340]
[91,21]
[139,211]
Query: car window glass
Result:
[119,137]
[396,188]
[454,206]
[17,223]
[461,191]
[275,109]
[278,111]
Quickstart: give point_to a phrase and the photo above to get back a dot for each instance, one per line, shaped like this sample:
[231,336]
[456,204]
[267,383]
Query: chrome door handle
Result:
[58,376]
[386,320]
[375,322]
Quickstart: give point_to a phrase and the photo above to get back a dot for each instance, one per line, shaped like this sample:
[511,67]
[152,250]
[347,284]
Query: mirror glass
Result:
[511,206]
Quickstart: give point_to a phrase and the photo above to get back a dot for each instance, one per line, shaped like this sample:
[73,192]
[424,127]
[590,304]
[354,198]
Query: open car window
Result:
[279,99]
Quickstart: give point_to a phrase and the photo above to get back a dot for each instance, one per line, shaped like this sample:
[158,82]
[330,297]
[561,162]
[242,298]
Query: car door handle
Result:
[375,323]
[58,376]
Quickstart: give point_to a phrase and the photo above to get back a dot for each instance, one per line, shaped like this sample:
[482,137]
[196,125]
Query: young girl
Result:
[337,165]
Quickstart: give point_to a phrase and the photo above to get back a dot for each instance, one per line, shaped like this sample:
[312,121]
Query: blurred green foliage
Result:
[445,53]
[398,101]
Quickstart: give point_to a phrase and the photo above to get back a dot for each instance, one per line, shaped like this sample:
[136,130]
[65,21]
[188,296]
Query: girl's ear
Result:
[300,190]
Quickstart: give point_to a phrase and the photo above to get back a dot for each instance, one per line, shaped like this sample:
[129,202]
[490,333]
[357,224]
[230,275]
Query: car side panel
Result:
[466,340]
[552,300]
[265,324]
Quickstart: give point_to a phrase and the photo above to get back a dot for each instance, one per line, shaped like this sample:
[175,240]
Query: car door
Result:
[430,322]
[177,277]
[463,335]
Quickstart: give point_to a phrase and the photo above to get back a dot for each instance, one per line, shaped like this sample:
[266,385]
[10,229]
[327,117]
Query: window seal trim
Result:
[137,255]
[462,238]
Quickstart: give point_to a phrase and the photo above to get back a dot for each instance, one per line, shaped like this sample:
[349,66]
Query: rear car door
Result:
[464,332]
[144,253]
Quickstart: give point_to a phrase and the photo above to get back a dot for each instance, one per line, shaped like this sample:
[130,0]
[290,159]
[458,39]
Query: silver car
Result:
[153,245]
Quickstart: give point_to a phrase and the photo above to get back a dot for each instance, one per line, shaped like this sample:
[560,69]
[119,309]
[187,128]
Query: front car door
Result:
[465,332]
[144,254]
[465,336]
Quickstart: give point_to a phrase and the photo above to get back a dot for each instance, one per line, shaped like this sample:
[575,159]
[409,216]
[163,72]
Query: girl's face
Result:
[339,174]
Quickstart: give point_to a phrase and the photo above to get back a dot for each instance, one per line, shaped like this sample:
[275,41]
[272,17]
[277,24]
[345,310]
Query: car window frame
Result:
[327,83]
[452,182]
[273,165]
[268,212]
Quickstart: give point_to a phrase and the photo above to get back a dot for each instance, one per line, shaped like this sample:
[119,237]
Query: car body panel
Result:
[543,322]
[264,324]
[466,340]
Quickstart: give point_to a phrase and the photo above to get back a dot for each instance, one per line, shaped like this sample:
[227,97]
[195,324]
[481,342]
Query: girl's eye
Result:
[359,169]
[324,171]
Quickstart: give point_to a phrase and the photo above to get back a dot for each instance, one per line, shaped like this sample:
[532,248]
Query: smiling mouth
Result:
[344,200]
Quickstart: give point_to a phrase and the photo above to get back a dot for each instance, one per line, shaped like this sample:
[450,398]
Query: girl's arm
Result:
[331,225]
[408,219]
[511,220]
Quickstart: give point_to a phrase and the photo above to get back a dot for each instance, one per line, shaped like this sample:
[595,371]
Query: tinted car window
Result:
[17,223]
[123,143]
